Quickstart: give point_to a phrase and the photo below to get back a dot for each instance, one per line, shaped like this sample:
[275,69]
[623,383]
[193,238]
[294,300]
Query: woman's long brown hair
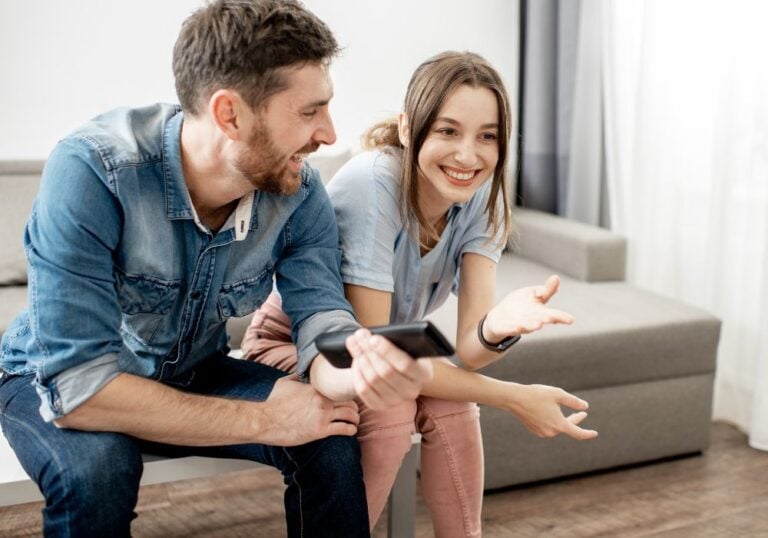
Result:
[431,83]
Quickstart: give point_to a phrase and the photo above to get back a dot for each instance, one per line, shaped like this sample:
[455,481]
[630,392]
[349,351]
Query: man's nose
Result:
[325,133]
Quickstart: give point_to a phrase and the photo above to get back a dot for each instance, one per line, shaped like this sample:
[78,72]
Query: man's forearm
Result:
[150,410]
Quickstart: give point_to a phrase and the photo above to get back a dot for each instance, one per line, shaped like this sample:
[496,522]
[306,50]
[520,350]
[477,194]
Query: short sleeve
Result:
[478,237]
[364,197]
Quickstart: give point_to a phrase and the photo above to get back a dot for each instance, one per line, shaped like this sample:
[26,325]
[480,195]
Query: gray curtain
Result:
[561,146]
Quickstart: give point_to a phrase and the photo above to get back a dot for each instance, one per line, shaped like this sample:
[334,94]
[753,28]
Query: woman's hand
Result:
[382,374]
[524,311]
[538,408]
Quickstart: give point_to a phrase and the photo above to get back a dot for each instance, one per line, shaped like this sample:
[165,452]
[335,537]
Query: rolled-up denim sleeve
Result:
[74,312]
[308,276]
[72,387]
[320,323]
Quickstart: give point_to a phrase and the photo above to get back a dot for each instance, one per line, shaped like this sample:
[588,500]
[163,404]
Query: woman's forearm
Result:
[333,383]
[458,384]
[537,407]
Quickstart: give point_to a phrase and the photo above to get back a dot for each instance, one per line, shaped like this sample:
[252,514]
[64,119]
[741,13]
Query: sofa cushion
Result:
[19,182]
[621,334]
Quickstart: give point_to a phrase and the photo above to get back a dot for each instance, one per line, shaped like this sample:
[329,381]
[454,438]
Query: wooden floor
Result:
[723,493]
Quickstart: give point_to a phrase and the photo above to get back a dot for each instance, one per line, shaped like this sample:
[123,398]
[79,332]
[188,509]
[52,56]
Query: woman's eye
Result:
[489,136]
[447,131]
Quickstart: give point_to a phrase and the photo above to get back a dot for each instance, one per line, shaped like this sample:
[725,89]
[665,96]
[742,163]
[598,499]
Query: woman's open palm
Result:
[525,311]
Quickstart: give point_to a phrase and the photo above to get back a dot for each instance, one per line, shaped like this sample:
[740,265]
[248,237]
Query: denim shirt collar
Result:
[178,204]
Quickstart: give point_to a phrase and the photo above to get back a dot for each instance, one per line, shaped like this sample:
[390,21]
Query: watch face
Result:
[508,342]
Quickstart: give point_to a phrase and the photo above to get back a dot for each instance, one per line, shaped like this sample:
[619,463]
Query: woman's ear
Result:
[403,131]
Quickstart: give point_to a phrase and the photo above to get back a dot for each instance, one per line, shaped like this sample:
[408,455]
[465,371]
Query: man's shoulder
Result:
[126,136]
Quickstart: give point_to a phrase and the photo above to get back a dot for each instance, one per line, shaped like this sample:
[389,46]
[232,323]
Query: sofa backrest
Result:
[19,182]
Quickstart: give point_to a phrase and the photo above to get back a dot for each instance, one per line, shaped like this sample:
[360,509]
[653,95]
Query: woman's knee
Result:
[395,421]
[437,407]
[268,337]
[434,411]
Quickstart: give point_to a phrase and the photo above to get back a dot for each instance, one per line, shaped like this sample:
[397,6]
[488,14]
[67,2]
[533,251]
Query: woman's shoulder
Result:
[366,171]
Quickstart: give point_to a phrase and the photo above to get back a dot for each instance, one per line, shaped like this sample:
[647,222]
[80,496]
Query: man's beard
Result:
[263,165]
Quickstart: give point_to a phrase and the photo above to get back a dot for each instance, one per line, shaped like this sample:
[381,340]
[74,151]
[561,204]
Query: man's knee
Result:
[336,451]
[106,466]
[331,460]
[95,494]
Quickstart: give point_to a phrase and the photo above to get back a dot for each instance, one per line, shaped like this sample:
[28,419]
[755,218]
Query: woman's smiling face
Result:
[461,149]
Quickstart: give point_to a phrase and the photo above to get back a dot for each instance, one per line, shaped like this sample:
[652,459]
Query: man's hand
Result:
[383,375]
[538,408]
[295,413]
[524,311]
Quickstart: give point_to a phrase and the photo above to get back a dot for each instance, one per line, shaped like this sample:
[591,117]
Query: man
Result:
[152,227]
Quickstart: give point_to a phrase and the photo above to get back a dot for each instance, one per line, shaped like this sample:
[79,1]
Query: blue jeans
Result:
[90,480]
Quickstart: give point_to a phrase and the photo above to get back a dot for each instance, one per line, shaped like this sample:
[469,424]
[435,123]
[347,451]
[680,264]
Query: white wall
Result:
[62,62]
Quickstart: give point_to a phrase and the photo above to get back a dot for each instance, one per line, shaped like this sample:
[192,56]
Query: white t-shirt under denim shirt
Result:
[379,253]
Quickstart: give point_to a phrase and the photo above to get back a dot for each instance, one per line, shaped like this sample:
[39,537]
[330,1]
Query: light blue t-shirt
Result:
[379,253]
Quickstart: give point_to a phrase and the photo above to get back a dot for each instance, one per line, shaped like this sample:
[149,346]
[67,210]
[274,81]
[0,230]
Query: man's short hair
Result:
[242,45]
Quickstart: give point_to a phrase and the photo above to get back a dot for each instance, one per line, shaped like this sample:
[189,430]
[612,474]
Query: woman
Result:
[425,212]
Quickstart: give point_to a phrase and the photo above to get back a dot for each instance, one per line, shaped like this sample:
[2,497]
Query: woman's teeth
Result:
[459,175]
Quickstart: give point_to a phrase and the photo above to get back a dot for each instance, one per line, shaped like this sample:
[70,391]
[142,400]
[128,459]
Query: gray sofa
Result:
[645,363]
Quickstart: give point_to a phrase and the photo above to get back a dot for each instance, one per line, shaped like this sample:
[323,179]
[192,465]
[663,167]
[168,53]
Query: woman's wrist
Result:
[498,344]
[487,330]
[504,395]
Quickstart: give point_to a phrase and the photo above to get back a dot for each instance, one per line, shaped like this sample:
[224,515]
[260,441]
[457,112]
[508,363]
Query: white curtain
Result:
[685,86]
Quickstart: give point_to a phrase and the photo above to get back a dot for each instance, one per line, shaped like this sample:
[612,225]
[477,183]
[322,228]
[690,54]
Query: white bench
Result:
[17,488]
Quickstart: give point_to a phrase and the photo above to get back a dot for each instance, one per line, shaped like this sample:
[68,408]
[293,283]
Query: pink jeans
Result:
[451,446]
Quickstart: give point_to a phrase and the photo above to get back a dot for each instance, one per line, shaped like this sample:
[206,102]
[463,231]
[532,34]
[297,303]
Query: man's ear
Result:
[403,130]
[227,111]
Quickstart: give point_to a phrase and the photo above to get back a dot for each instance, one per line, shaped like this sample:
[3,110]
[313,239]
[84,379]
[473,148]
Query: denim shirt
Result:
[122,279]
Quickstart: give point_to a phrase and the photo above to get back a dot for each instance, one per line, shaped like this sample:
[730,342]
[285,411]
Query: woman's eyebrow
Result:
[454,122]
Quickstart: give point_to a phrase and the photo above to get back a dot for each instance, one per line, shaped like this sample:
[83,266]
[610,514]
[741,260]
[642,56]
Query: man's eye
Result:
[310,114]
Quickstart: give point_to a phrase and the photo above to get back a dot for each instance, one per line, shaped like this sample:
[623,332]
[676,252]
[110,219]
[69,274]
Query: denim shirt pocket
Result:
[245,296]
[144,301]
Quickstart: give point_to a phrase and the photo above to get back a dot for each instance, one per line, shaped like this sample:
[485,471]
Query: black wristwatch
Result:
[501,346]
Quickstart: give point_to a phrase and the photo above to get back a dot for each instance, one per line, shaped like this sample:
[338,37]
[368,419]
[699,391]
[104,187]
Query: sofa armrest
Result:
[578,250]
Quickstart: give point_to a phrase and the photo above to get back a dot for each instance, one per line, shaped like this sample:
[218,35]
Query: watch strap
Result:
[499,347]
